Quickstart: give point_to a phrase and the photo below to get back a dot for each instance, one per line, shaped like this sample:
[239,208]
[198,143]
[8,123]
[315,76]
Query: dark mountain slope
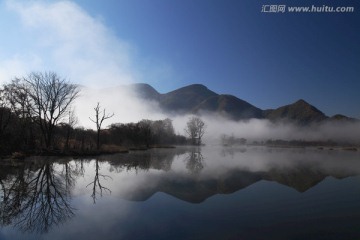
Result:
[229,106]
[299,112]
[145,91]
[198,99]
[183,100]
[342,119]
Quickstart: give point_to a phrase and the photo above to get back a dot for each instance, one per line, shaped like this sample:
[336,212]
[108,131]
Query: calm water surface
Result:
[184,193]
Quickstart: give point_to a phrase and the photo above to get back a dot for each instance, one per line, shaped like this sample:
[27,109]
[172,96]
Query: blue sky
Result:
[267,59]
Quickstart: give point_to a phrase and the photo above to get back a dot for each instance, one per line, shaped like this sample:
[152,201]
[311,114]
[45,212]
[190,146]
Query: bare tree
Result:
[146,131]
[5,113]
[100,116]
[50,97]
[195,129]
[16,97]
[69,125]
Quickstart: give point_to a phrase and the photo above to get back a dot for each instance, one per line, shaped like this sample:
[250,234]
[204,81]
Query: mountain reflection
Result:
[36,193]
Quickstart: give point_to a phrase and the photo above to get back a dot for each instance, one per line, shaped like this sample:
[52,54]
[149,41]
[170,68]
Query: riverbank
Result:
[76,153]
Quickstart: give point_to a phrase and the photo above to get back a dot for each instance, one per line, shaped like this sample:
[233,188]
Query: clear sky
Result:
[267,59]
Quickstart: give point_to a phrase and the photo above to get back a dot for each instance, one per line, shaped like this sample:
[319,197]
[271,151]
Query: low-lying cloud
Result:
[129,108]
[261,129]
[118,100]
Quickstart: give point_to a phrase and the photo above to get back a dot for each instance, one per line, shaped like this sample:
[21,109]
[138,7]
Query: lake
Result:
[184,193]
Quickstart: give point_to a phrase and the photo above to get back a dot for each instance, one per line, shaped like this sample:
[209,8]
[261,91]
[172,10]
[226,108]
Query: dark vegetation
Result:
[230,141]
[143,134]
[119,137]
[36,118]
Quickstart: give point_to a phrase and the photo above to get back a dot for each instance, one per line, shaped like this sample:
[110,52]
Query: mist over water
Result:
[261,129]
[128,107]
[232,190]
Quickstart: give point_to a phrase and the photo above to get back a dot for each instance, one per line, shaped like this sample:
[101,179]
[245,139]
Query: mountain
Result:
[341,118]
[299,112]
[198,99]
[184,99]
[229,106]
[145,91]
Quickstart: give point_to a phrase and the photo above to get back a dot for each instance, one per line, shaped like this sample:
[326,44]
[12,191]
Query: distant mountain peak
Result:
[342,118]
[145,91]
[194,88]
[301,101]
[142,85]
[300,112]
[196,85]
[184,99]
[197,98]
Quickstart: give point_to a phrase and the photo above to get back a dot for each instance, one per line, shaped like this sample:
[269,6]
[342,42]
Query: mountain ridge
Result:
[198,99]
[300,111]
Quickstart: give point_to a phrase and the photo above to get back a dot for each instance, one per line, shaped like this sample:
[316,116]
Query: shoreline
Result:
[124,150]
[107,150]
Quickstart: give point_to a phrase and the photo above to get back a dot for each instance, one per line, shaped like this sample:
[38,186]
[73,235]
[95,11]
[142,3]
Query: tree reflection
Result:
[195,161]
[97,187]
[13,194]
[232,151]
[71,171]
[143,161]
[35,201]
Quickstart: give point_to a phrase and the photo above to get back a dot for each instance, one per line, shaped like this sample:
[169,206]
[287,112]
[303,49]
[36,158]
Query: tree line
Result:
[36,115]
[31,109]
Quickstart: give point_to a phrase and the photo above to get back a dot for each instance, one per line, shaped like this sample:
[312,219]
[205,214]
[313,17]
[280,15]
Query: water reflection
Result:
[36,193]
[195,160]
[97,187]
[231,151]
[37,197]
